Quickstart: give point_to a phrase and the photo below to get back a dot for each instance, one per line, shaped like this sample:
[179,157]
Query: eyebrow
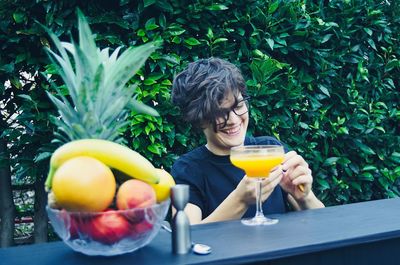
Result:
[237,101]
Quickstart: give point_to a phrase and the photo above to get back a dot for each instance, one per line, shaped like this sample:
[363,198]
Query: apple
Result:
[74,225]
[71,222]
[109,227]
[141,228]
[146,224]
[134,216]
[80,224]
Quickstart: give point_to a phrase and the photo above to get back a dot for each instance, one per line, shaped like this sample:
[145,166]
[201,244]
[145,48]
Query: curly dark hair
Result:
[202,86]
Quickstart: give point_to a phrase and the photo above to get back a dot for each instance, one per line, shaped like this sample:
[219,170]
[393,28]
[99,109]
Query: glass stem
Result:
[259,210]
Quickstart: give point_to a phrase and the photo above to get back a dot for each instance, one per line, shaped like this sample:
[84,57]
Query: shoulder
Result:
[193,157]
[188,164]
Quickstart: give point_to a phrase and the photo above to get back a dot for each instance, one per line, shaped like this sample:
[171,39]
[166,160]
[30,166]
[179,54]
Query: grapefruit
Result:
[84,184]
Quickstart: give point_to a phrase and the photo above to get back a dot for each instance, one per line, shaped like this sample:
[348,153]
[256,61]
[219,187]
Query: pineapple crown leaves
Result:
[96,82]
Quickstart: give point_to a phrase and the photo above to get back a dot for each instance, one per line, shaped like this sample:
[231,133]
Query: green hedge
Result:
[323,76]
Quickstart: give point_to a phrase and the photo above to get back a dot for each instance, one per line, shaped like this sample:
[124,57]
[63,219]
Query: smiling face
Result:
[211,94]
[220,140]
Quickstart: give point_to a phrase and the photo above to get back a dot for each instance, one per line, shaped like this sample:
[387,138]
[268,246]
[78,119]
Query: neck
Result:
[216,151]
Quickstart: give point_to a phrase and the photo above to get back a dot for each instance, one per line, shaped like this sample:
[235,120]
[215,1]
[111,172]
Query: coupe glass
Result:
[257,161]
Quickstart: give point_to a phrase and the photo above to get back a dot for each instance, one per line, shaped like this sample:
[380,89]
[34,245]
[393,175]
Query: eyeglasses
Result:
[240,108]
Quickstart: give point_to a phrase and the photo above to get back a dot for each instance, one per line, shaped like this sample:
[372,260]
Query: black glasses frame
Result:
[226,115]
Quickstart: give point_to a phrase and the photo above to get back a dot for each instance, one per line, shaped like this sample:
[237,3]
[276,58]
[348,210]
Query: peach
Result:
[135,194]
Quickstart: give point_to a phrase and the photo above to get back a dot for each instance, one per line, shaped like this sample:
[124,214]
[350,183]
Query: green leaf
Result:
[147,3]
[384,182]
[141,33]
[395,156]
[192,41]
[323,183]
[263,68]
[397,172]
[343,130]
[151,24]
[217,7]
[366,149]
[175,31]
[27,97]
[356,186]
[176,39]
[368,31]
[210,34]
[304,125]
[19,17]
[366,176]
[280,41]
[326,38]
[391,64]
[369,168]
[162,20]
[331,161]
[42,156]
[220,40]
[154,149]
[165,5]
[372,43]
[273,7]
[149,81]
[139,107]
[324,90]
[271,43]
[166,82]
[20,58]
[297,46]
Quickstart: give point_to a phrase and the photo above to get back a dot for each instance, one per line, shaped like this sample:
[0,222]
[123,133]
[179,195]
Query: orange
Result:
[84,184]
[163,187]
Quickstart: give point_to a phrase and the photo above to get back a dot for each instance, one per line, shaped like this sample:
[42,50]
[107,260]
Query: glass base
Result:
[259,220]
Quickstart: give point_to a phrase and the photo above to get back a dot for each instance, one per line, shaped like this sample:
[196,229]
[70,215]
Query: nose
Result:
[233,118]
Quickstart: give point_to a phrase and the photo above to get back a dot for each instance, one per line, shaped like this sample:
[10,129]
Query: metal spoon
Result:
[197,248]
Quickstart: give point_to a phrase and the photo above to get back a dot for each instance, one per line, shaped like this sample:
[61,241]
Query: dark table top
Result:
[296,233]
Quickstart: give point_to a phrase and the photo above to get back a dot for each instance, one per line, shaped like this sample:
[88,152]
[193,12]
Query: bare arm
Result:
[237,202]
[229,209]
[310,202]
[297,172]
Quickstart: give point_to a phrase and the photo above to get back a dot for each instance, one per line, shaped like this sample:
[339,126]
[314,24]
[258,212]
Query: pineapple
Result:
[96,83]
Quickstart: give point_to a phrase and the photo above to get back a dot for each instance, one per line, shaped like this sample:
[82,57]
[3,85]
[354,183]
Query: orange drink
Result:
[257,165]
[257,161]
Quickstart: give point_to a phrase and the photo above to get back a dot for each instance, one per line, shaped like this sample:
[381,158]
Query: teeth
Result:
[233,130]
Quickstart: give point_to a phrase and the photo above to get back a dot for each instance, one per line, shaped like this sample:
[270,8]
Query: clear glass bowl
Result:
[111,232]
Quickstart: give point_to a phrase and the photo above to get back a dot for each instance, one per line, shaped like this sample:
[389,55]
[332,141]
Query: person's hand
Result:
[246,189]
[297,178]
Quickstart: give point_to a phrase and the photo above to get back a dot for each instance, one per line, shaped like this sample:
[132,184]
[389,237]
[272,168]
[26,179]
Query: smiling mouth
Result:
[232,131]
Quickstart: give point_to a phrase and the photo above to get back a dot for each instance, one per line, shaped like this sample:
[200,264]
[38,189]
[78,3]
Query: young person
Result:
[211,94]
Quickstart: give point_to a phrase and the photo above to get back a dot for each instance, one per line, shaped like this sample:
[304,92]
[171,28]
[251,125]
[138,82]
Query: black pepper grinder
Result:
[181,239]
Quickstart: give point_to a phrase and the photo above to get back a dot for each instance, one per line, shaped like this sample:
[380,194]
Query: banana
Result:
[112,154]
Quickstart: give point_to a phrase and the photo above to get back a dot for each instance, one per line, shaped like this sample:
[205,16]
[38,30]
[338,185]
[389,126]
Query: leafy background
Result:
[323,76]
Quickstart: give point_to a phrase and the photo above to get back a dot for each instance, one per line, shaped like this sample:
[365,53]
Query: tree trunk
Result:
[40,217]
[7,207]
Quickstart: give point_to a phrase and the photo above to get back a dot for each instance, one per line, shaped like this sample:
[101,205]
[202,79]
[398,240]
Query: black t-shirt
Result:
[212,178]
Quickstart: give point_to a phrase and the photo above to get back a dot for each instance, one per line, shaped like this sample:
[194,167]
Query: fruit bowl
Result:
[111,232]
